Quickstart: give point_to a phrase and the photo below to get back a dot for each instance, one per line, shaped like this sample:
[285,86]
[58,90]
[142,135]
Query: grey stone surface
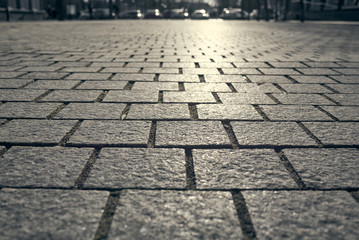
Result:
[13,83]
[175,215]
[19,94]
[345,88]
[243,169]
[188,97]
[317,71]
[42,166]
[248,71]
[191,133]
[89,76]
[111,132]
[269,79]
[346,79]
[303,99]
[343,113]
[346,99]
[178,78]
[161,70]
[200,71]
[51,84]
[27,109]
[270,133]
[91,111]
[332,168]
[138,168]
[312,79]
[305,88]
[206,87]
[348,71]
[81,69]
[72,96]
[134,77]
[158,111]
[45,75]
[50,214]
[40,69]
[256,88]
[224,78]
[245,98]
[303,214]
[337,133]
[156,86]
[226,111]
[10,74]
[132,96]
[278,71]
[35,131]
[294,113]
[103,85]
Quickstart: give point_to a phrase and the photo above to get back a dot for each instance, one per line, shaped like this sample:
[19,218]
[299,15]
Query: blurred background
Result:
[269,10]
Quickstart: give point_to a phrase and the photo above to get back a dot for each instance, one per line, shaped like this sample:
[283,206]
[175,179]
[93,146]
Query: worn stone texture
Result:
[303,99]
[227,112]
[175,215]
[138,168]
[270,133]
[224,78]
[51,84]
[50,214]
[241,169]
[268,79]
[346,99]
[332,168]
[305,88]
[111,132]
[27,109]
[245,98]
[188,97]
[35,131]
[44,75]
[132,96]
[72,96]
[134,77]
[335,133]
[39,166]
[256,88]
[88,76]
[312,79]
[155,86]
[178,78]
[91,111]
[103,85]
[13,83]
[303,214]
[158,111]
[206,87]
[294,113]
[190,133]
[343,113]
[19,94]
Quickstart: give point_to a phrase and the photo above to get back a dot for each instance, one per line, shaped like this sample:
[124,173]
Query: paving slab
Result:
[20,94]
[138,168]
[243,169]
[346,99]
[294,113]
[27,109]
[13,83]
[270,133]
[188,97]
[134,77]
[303,214]
[175,215]
[227,112]
[44,213]
[127,96]
[158,111]
[303,99]
[245,98]
[39,166]
[343,113]
[35,131]
[183,133]
[51,84]
[111,132]
[332,168]
[88,76]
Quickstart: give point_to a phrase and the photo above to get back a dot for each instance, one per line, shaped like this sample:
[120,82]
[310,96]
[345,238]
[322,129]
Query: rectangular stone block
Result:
[72,96]
[256,88]
[303,214]
[224,78]
[183,133]
[279,71]
[175,215]
[155,86]
[244,169]
[13,83]
[346,79]
[294,113]
[317,71]
[178,78]
[44,75]
[227,112]
[158,111]
[111,133]
[345,99]
[305,88]
[312,79]
[245,98]
[246,71]
[89,76]
[188,97]
[303,99]
[56,214]
[206,87]
[102,85]
[19,94]
[39,166]
[134,77]
[270,133]
[52,84]
[343,113]
[268,79]
[27,110]
[345,88]
[127,96]
[335,133]
[326,168]
[138,168]
[91,111]
[35,131]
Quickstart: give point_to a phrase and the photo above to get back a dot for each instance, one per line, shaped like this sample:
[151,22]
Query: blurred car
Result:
[200,14]
[97,13]
[180,13]
[130,14]
[153,14]
[234,13]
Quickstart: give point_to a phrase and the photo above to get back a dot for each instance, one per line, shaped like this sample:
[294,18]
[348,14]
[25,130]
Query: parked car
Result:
[180,13]
[153,14]
[130,14]
[234,13]
[200,14]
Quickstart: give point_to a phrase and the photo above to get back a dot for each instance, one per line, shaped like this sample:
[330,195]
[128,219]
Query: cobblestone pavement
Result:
[179,130]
